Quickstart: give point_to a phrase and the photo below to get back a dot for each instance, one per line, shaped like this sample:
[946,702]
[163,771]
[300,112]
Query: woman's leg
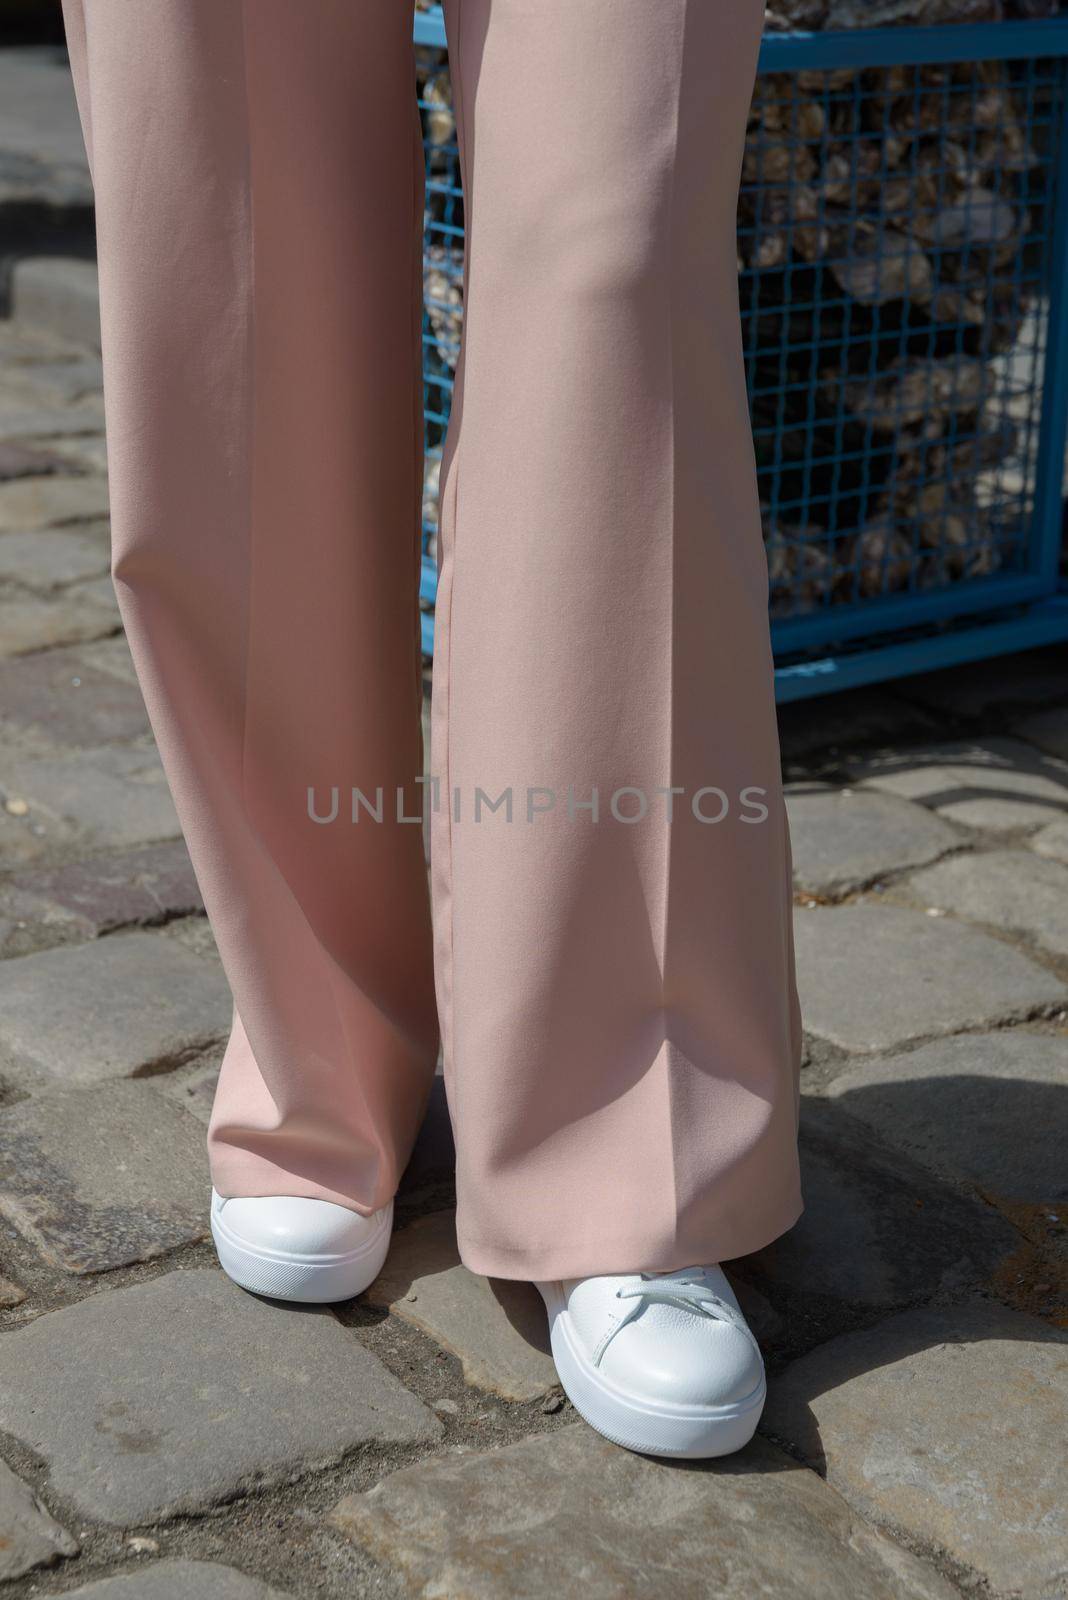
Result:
[617,997]
[258,179]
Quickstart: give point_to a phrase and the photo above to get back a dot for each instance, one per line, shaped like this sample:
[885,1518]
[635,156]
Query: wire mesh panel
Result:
[443,260]
[901,253]
[895,236]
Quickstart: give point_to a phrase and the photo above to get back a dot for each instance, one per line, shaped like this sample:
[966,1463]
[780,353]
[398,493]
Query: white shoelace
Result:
[689,1293]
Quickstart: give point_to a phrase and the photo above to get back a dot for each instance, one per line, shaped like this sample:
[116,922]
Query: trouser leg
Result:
[617,997]
[258,179]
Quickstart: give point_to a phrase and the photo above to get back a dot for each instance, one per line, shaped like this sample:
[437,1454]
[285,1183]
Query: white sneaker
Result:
[663,1363]
[295,1248]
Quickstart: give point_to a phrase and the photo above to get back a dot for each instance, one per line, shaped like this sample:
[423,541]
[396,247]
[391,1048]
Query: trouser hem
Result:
[257,1179]
[634,1253]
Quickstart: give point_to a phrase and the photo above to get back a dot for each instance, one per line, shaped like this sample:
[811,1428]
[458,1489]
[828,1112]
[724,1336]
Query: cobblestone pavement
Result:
[165,1437]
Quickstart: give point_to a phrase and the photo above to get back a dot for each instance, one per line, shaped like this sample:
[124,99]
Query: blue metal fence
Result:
[903,260]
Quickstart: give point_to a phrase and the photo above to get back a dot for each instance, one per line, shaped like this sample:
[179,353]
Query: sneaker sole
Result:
[652,1428]
[315,1279]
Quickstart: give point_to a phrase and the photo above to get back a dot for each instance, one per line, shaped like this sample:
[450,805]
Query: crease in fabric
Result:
[252,442]
[667,1046]
[448,550]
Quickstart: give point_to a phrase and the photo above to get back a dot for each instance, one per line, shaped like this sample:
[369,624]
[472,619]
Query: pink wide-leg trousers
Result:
[610,952]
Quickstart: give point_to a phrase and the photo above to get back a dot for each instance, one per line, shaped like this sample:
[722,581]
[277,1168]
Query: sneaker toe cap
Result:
[684,1360]
[295,1225]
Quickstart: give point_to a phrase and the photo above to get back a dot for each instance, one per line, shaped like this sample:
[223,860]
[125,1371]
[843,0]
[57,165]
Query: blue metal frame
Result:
[868,640]
[865,47]
[430,28]
[886,47]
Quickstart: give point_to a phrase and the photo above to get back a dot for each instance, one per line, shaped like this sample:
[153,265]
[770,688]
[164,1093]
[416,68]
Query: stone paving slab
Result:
[874,977]
[29,461]
[22,842]
[497,1328]
[87,898]
[875,1231]
[37,622]
[567,1513]
[843,839]
[30,503]
[110,656]
[100,590]
[986,1108]
[1012,890]
[55,382]
[39,124]
[51,557]
[27,181]
[59,293]
[999,784]
[1052,841]
[132,1003]
[178,1580]
[187,1391]
[22,342]
[195,935]
[948,1424]
[103,1177]
[30,1537]
[192,1087]
[85,451]
[21,421]
[73,697]
[110,796]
